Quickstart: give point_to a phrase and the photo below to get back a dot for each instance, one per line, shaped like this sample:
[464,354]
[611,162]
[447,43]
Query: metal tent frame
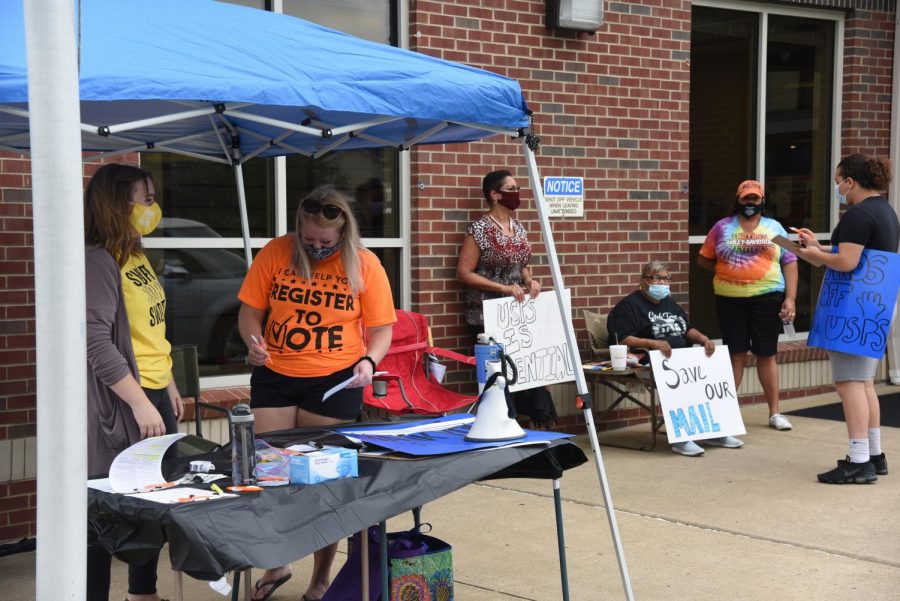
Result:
[228,132]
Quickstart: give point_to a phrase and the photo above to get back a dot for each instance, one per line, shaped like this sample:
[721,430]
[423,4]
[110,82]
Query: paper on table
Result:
[181,495]
[343,385]
[140,464]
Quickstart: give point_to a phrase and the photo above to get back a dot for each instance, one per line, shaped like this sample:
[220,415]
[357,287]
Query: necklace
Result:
[500,225]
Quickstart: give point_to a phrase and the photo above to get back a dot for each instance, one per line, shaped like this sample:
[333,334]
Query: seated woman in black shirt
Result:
[651,319]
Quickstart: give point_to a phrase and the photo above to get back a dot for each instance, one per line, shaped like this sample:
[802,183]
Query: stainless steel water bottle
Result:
[243,446]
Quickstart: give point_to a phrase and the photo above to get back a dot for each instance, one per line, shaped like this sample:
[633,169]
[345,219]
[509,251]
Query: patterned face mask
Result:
[320,254]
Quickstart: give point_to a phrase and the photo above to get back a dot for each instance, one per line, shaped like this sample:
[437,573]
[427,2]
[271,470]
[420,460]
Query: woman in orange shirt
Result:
[306,299]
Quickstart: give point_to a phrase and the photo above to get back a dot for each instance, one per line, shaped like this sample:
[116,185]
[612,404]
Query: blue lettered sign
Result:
[564,196]
[697,394]
[855,308]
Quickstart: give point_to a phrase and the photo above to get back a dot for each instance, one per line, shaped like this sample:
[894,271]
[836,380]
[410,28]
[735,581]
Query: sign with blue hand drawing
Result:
[855,308]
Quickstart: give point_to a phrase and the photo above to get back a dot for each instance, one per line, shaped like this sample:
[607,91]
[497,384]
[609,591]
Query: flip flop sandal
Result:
[273,584]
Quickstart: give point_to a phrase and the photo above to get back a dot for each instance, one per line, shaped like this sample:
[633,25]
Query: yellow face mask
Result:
[145,218]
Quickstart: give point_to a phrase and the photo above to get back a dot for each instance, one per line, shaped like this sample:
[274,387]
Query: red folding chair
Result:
[411,388]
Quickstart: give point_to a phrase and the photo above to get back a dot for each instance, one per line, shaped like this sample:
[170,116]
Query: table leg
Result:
[655,422]
[178,585]
[383,558]
[364,554]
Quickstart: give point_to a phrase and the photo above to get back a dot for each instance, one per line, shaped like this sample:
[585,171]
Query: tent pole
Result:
[60,340]
[242,204]
[575,358]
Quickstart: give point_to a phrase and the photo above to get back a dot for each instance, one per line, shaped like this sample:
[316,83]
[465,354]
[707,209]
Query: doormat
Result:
[890,411]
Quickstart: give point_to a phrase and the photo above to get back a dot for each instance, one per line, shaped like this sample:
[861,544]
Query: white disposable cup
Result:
[618,354]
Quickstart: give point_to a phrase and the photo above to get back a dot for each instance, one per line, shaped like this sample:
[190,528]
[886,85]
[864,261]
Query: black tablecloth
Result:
[280,525]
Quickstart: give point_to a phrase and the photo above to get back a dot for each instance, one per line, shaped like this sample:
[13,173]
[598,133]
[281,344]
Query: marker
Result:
[215,488]
[244,488]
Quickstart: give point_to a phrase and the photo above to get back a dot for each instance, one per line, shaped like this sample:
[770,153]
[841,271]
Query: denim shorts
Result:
[851,368]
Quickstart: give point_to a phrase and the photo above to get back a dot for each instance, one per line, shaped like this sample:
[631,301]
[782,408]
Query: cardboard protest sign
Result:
[697,394]
[855,308]
[532,335]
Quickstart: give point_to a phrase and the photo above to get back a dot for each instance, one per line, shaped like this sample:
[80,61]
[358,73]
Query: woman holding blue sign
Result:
[869,224]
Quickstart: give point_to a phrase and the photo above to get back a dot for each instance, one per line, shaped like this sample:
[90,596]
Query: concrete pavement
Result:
[737,524]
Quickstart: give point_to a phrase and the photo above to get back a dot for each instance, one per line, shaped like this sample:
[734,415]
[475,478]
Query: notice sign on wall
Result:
[855,308]
[564,196]
[532,335]
[697,394]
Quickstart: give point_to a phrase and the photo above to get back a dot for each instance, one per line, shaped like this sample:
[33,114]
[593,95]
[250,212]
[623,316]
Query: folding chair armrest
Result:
[198,404]
[450,355]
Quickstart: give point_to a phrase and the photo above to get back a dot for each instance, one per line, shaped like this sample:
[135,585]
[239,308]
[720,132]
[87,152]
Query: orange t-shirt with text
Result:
[314,327]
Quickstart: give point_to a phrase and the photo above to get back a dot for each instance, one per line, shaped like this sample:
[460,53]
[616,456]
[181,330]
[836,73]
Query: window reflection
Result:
[367,19]
[201,287]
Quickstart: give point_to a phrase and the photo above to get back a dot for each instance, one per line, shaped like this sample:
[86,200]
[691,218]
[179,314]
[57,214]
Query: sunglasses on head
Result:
[313,206]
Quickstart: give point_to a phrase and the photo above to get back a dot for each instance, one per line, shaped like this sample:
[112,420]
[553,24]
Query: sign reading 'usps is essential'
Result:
[855,308]
[533,336]
[564,196]
[697,394]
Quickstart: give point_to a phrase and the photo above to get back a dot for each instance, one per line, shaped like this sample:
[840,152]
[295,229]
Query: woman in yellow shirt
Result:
[131,392]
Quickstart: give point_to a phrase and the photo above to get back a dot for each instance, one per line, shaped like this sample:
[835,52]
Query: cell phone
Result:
[788,328]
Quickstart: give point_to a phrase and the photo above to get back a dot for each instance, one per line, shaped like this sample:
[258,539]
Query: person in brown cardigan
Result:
[131,393]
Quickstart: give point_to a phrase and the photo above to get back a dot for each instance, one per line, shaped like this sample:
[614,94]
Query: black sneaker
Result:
[847,472]
[880,463]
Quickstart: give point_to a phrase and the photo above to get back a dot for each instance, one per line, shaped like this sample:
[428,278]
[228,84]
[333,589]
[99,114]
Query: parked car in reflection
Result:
[201,287]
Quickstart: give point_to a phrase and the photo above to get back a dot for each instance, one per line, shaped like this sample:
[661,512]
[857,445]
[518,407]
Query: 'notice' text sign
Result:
[564,196]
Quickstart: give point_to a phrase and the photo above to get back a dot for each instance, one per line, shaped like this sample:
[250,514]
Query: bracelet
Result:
[370,360]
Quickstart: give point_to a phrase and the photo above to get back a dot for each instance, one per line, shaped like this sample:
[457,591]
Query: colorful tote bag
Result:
[420,569]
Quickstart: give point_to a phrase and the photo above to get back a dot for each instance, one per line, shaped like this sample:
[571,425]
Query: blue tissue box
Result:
[324,465]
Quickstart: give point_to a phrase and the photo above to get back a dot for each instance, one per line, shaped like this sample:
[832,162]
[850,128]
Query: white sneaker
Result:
[779,422]
[729,442]
[688,448]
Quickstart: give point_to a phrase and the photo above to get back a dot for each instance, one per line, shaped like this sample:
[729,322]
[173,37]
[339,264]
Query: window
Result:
[197,250]
[762,107]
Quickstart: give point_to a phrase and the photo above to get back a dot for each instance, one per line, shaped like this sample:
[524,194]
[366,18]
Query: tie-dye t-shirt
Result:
[747,263]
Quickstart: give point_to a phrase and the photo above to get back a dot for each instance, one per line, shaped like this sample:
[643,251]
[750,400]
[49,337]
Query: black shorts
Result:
[272,389]
[750,324]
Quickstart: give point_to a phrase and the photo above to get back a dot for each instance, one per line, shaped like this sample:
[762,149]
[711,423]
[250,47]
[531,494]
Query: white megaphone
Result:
[492,421]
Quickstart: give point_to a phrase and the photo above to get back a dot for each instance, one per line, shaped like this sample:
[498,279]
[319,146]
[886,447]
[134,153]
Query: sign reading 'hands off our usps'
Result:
[855,308]
[697,394]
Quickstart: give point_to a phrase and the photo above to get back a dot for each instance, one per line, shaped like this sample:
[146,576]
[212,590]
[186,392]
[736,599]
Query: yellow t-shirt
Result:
[314,327]
[145,303]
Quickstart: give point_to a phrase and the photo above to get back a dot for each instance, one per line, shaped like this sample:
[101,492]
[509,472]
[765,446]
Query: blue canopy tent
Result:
[228,83]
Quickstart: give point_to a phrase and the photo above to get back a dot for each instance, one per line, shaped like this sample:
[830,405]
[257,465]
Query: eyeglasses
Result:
[509,189]
[658,278]
[313,206]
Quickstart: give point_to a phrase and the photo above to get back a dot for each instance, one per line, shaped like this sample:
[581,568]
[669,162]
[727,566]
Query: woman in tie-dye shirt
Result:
[755,285]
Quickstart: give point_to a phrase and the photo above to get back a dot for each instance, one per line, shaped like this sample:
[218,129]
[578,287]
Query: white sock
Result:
[875,441]
[859,450]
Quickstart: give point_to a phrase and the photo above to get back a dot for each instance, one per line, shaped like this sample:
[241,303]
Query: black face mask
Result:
[751,210]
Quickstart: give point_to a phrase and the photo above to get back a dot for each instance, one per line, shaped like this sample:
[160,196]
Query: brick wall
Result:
[611,108]
[868,51]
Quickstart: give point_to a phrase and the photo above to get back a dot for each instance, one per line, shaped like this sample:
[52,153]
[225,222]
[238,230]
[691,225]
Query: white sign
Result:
[564,196]
[532,335]
[697,394]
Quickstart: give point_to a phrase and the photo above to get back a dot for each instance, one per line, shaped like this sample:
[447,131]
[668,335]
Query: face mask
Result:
[145,218]
[510,200]
[320,254]
[837,192]
[658,291]
[752,210]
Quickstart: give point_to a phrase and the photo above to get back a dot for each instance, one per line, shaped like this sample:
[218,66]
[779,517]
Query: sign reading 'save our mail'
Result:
[697,394]
[564,196]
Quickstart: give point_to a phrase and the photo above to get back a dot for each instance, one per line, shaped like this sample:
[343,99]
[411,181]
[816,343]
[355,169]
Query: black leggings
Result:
[141,577]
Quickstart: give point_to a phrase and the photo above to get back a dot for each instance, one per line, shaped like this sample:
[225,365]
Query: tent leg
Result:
[242,205]
[583,394]
[560,540]
[56,171]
